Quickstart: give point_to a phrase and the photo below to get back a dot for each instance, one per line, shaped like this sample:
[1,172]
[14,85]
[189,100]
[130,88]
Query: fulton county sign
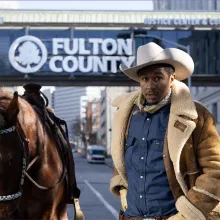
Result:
[182,22]
[28,54]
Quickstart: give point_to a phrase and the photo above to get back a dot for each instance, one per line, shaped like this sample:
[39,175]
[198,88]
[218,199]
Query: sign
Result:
[28,54]
[182,22]
[31,51]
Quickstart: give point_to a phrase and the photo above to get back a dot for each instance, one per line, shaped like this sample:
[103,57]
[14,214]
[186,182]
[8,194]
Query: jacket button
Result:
[164,155]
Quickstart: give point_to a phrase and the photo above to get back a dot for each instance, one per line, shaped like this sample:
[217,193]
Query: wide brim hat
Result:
[152,53]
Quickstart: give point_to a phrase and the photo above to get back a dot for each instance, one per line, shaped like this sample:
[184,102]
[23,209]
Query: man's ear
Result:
[13,109]
[172,78]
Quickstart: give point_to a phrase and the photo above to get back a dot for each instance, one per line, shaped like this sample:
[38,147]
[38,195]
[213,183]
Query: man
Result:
[165,147]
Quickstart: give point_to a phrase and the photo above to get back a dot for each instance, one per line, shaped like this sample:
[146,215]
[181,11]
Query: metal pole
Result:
[71,33]
[27,30]
[189,79]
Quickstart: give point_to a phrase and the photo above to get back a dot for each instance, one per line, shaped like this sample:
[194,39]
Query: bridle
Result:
[24,165]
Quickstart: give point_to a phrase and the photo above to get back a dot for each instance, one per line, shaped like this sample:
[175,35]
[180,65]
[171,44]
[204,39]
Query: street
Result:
[96,201]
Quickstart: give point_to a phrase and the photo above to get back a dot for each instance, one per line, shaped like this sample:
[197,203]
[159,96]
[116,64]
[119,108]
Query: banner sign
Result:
[28,54]
[182,22]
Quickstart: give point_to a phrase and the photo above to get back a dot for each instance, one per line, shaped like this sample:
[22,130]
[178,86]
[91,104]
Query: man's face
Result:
[155,83]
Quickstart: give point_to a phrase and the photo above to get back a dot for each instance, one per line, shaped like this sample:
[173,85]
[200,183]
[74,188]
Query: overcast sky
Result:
[78,5]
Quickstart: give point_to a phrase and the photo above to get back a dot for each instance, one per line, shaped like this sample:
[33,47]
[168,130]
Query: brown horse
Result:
[25,141]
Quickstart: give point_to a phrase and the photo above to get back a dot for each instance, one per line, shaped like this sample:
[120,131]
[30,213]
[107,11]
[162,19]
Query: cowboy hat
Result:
[152,53]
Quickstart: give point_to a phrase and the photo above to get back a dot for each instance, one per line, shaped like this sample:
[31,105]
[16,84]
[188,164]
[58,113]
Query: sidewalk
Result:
[109,162]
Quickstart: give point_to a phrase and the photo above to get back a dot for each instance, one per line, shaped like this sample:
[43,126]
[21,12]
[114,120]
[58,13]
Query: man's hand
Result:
[178,216]
[123,194]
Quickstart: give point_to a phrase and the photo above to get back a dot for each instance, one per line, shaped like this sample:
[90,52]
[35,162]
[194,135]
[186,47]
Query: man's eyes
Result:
[158,78]
[154,79]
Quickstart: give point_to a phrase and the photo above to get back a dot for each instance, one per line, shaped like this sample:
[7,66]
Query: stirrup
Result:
[78,212]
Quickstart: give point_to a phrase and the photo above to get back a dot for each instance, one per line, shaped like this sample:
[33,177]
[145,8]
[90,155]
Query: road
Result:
[96,201]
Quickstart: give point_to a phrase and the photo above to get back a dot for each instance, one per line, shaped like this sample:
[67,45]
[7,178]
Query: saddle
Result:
[39,102]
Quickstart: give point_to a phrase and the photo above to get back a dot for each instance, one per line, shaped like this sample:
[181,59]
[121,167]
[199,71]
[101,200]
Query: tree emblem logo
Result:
[27,54]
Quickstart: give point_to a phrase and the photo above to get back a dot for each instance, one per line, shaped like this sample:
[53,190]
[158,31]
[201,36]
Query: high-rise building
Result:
[49,93]
[93,121]
[70,104]
[83,105]
[67,105]
[206,5]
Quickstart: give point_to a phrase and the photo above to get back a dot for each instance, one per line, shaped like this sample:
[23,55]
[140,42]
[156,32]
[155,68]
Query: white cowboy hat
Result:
[151,53]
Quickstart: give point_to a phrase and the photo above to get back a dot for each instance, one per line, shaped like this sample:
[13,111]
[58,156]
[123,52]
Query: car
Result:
[96,154]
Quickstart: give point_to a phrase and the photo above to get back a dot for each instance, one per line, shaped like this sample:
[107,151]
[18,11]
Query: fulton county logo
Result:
[93,55]
[27,54]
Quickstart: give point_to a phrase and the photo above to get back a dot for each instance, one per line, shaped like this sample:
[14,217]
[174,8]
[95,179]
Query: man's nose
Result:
[151,84]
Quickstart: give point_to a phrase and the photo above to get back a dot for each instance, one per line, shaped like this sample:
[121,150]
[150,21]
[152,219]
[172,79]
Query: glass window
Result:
[99,152]
[49,34]
[94,107]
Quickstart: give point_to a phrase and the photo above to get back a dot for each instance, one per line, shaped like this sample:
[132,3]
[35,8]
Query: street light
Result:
[187,48]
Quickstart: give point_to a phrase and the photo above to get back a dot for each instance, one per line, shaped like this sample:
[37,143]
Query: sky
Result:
[79,5]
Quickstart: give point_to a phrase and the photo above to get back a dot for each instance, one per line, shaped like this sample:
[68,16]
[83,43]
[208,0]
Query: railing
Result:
[187,5]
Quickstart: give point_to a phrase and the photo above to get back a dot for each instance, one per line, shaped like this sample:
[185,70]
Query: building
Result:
[49,93]
[187,5]
[70,104]
[67,105]
[83,106]
[93,121]
[107,112]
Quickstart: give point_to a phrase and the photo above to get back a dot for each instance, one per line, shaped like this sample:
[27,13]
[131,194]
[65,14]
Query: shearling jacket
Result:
[191,153]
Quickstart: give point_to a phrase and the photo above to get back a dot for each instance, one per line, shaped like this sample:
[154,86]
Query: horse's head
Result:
[11,154]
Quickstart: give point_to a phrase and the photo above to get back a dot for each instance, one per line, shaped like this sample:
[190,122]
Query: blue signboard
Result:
[54,55]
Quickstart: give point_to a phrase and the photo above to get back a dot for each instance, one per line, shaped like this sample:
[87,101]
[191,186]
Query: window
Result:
[94,107]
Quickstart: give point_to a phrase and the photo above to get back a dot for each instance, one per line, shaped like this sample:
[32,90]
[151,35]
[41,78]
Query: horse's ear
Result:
[12,111]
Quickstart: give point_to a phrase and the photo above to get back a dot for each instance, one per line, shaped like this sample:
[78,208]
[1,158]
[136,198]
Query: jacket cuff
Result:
[116,184]
[188,210]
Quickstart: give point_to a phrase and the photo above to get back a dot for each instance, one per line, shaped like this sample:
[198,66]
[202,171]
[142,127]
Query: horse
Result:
[31,170]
